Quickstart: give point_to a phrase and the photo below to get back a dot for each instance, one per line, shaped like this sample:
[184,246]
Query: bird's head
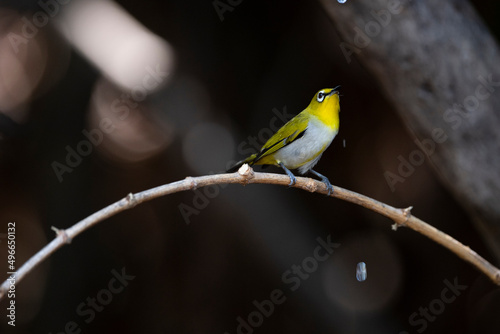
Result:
[325,101]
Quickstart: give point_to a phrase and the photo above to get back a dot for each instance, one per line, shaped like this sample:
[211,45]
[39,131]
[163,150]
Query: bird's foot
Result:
[325,180]
[290,174]
[328,186]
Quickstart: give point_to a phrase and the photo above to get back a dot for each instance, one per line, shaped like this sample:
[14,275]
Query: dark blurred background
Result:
[99,99]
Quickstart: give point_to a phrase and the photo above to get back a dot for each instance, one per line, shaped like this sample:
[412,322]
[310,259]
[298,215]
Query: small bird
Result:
[300,143]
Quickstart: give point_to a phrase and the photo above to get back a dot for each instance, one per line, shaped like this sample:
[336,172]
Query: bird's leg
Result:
[290,174]
[325,180]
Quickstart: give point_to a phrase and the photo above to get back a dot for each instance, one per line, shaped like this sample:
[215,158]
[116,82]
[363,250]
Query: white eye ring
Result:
[321,96]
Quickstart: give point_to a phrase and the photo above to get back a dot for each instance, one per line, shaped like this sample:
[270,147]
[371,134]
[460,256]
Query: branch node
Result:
[246,172]
[131,200]
[311,185]
[194,184]
[407,212]
[61,233]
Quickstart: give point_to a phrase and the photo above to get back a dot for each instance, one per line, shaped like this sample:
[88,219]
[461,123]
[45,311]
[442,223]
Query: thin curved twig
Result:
[401,217]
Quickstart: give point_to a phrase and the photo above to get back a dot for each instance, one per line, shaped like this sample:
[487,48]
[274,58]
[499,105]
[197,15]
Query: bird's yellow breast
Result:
[327,112]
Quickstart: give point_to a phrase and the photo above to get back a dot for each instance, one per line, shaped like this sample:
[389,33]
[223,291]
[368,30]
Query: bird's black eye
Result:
[321,96]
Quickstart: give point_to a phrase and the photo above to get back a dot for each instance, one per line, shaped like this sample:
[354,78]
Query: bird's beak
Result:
[334,90]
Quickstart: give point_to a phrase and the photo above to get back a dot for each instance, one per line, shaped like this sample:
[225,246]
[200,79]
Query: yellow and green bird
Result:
[300,143]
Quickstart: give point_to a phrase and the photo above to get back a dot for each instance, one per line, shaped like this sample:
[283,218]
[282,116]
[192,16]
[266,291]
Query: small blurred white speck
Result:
[343,143]
[361,273]
[341,1]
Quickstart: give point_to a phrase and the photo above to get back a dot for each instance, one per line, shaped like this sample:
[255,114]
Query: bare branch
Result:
[401,217]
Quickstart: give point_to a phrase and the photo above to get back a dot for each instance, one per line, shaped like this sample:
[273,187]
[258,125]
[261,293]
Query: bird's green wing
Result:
[291,131]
